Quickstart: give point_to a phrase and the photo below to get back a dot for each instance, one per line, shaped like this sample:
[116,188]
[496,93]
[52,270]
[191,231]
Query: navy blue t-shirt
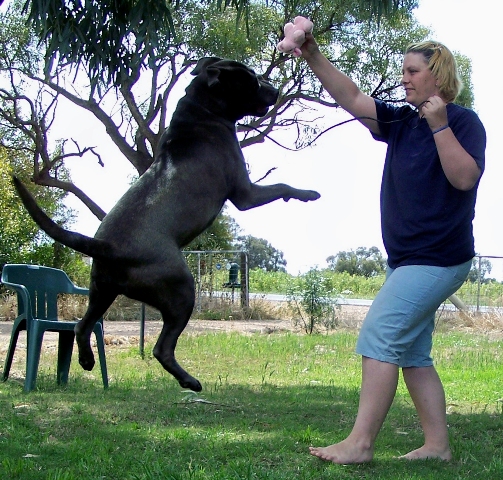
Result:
[424,219]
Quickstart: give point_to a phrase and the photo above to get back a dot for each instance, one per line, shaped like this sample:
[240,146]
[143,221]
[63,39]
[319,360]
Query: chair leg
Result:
[65,348]
[35,337]
[100,344]
[12,347]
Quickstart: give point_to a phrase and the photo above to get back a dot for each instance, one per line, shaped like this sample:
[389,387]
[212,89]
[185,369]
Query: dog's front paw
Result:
[303,195]
[310,195]
[87,363]
[192,383]
[86,357]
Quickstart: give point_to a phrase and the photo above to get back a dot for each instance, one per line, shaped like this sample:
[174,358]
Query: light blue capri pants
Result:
[399,326]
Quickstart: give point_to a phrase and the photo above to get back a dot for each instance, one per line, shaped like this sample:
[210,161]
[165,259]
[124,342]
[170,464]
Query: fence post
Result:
[198,302]
[478,283]
[142,331]
[245,300]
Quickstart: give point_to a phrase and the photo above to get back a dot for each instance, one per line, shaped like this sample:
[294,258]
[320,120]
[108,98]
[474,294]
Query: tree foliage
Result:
[466,97]
[261,254]
[16,230]
[124,27]
[365,262]
[105,37]
[28,108]
[481,267]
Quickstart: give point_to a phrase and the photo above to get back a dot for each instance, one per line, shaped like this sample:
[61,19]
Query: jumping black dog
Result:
[199,165]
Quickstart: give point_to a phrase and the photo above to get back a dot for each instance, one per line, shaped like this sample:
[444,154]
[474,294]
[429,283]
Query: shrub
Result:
[312,301]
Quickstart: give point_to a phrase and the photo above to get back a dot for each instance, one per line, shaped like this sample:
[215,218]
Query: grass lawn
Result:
[266,398]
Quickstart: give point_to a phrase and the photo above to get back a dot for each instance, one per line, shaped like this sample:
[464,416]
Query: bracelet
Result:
[440,129]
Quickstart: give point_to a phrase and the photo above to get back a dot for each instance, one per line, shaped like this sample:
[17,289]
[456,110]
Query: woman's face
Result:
[417,79]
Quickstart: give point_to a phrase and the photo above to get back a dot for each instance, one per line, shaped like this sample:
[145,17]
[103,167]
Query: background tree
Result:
[28,109]
[363,262]
[261,254]
[480,268]
[16,232]
[465,98]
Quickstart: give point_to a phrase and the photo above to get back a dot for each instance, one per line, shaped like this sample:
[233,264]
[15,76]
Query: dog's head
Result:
[231,87]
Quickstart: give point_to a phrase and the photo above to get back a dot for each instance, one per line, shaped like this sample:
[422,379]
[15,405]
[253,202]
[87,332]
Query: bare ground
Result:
[128,332]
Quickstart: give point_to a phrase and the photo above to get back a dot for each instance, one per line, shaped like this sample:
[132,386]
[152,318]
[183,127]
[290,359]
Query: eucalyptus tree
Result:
[101,35]
[365,262]
[261,254]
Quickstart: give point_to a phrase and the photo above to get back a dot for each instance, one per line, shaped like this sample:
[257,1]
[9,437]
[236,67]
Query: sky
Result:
[344,166]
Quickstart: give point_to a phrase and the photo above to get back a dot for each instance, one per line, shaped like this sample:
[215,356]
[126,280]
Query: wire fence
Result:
[219,275]
[223,276]
[222,285]
[483,291]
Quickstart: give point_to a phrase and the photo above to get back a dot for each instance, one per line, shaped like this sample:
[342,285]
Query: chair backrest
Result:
[43,285]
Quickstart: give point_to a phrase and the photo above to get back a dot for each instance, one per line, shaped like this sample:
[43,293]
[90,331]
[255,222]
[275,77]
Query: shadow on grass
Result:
[151,429]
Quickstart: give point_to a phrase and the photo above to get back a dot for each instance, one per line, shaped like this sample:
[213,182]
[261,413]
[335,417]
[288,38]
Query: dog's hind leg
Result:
[98,305]
[176,309]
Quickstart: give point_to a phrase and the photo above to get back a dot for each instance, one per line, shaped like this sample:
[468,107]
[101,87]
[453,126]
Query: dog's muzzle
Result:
[268,96]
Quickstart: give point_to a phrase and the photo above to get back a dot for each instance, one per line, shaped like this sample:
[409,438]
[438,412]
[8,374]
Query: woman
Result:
[433,165]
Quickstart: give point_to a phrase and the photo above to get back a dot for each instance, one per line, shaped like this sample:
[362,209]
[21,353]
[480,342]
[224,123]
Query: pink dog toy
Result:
[295,36]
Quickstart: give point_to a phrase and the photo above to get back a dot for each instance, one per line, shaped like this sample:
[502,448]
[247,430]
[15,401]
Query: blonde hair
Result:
[442,65]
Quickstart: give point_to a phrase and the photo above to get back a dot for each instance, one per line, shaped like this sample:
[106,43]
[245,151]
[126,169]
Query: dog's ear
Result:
[213,74]
[203,63]
[231,73]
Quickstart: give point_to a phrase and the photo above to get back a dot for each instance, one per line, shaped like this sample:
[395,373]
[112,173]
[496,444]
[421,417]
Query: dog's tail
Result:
[89,246]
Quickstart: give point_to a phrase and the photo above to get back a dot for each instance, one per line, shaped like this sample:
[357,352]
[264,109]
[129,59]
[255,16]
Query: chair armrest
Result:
[79,290]
[23,294]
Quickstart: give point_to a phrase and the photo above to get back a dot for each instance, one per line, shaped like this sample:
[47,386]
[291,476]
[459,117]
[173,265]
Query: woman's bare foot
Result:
[424,453]
[343,453]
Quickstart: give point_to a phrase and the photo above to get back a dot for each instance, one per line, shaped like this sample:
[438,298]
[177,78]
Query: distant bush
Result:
[355,286]
[270,282]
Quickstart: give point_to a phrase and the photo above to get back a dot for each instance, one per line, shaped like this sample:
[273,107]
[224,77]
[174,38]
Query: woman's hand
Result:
[459,166]
[434,111]
[309,47]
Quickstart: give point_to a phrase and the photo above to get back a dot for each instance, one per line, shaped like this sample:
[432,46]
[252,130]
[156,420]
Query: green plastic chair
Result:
[37,289]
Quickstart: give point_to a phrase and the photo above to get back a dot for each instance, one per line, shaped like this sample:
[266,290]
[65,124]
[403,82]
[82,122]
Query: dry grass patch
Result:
[480,323]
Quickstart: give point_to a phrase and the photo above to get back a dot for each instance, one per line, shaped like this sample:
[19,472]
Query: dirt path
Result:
[117,333]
